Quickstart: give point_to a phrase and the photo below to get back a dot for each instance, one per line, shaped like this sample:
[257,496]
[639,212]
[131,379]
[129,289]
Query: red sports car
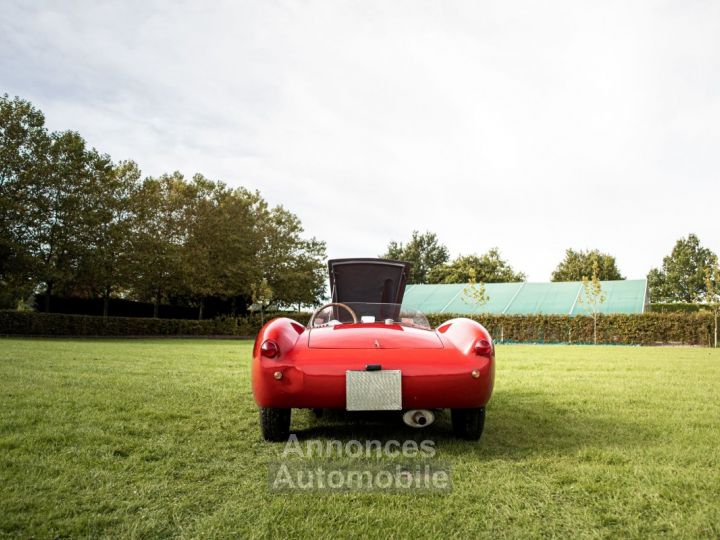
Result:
[365,351]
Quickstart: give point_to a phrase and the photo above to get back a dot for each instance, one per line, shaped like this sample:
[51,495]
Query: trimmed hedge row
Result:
[645,329]
[641,329]
[29,323]
[677,307]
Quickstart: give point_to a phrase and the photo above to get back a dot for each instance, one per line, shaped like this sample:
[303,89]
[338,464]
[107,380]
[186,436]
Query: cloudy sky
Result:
[531,126]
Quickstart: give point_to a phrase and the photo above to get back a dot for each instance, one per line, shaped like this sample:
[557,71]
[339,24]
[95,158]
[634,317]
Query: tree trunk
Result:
[200,310]
[595,329]
[48,292]
[106,302]
[156,304]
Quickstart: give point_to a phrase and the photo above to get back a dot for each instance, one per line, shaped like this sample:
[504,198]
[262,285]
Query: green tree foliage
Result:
[158,232]
[577,264]
[489,267]
[712,295]
[293,266]
[73,223]
[300,280]
[424,251]
[235,241]
[106,256]
[208,254]
[65,199]
[24,144]
[262,295]
[683,272]
[474,293]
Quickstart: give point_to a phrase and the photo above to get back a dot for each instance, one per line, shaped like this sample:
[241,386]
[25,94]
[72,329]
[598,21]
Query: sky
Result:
[530,126]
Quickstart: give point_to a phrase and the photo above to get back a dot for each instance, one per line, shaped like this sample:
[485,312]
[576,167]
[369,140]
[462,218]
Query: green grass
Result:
[159,438]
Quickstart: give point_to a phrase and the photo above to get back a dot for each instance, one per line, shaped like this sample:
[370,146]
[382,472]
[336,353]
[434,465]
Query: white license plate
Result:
[373,390]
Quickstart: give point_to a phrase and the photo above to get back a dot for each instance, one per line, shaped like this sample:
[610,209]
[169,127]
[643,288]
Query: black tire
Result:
[275,424]
[468,424]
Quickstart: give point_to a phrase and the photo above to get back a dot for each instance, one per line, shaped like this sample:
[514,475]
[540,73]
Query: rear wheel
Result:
[275,424]
[468,424]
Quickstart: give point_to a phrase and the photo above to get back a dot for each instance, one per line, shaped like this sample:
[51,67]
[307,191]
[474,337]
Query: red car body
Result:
[437,365]
[295,366]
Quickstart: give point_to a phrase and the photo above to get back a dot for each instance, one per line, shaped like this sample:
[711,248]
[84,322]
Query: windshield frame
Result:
[336,314]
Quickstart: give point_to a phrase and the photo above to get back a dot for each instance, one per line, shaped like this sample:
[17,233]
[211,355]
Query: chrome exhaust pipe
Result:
[419,418]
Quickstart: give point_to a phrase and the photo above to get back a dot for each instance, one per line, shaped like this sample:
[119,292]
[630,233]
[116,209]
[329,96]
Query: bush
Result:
[30,323]
[677,307]
[640,329]
[644,329]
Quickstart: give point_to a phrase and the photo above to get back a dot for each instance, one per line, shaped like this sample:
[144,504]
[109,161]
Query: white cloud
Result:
[522,125]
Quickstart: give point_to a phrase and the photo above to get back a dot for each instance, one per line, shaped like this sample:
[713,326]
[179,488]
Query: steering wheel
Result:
[347,308]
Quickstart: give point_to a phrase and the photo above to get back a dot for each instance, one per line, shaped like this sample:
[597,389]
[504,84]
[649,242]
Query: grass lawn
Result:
[160,438]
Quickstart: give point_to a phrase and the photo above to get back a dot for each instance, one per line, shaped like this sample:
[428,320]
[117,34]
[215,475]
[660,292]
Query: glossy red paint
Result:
[436,365]
[372,336]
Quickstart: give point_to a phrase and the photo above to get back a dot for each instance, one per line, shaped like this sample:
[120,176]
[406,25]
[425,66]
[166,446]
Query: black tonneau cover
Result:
[368,280]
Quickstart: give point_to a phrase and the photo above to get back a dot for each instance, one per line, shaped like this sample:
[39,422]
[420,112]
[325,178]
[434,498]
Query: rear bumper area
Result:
[425,384]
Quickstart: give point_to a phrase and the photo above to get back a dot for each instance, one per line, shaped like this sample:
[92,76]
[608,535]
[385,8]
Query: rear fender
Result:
[463,333]
[285,332]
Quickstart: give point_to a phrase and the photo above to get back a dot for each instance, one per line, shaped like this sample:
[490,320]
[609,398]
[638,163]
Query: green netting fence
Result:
[561,298]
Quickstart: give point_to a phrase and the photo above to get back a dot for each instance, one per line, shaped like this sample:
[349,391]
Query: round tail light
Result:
[483,347]
[269,349]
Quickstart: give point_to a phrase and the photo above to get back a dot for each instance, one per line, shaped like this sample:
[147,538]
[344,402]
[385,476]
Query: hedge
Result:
[29,323]
[121,307]
[640,329]
[644,329]
[672,307]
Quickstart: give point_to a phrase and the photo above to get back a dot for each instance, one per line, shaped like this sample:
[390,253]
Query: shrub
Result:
[637,329]
[677,307]
[644,329]
[57,324]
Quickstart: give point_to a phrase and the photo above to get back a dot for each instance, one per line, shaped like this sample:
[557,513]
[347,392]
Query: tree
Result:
[474,293]
[242,214]
[206,252]
[592,296]
[201,239]
[577,264]
[262,295]
[236,242]
[488,268]
[294,267]
[682,277]
[158,232]
[63,200]
[423,251]
[302,280]
[77,224]
[105,260]
[24,144]
[712,295]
